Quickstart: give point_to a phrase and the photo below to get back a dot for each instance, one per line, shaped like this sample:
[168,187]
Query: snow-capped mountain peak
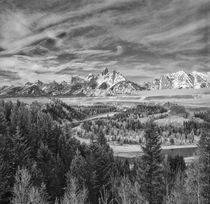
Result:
[105,83]
[90,77]
[110,78]
[38,83]
[106,71]
[181,79]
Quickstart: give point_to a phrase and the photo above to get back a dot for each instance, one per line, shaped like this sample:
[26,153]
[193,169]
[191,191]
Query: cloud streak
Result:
[144,38]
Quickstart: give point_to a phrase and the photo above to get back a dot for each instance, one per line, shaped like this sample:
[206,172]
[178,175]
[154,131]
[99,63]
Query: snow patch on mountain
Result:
[105,83]
[182,80]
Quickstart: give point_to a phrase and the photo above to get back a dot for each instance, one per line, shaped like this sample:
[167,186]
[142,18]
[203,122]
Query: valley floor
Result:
[194,98]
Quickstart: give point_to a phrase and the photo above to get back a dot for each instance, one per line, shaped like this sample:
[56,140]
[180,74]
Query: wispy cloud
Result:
[51,39]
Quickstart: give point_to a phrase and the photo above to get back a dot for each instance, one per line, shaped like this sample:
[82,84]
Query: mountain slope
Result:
[181,80]
[105,83]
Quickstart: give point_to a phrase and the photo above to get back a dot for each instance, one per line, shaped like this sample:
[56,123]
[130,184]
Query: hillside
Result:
[182,80]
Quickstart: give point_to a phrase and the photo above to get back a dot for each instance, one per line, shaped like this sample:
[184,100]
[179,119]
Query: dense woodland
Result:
[128,128]
[42,162]
[95,109]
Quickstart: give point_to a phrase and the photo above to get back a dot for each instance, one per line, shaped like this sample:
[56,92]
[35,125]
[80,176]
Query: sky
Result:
[142,39]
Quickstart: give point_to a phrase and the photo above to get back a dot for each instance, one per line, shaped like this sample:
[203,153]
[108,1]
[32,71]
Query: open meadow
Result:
[187,97]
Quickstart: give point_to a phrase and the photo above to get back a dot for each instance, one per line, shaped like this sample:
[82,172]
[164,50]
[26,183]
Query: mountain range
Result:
[181,80]
[107,83]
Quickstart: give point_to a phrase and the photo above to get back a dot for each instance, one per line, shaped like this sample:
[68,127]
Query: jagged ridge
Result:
[181,80]
[105,83]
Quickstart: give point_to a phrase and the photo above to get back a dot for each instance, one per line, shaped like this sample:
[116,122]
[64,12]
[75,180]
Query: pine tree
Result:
[167,175]
[14,152]
[4,178]
[83,169]
[21,187]
[73,194]
[20,117]
[78,168]
[8,106]
[57,181]
[94,170]
[150,172]
[125,191]
[101,139]
[20,148]
[192,183]
[67,148]
[204,161]
[7,165]
[178,194]
[3,124]
[48,165]
[37,195]
[103,163]
[24,192]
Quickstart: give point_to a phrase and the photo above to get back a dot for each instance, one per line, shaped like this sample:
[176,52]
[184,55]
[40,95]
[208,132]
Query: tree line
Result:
[131,131]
